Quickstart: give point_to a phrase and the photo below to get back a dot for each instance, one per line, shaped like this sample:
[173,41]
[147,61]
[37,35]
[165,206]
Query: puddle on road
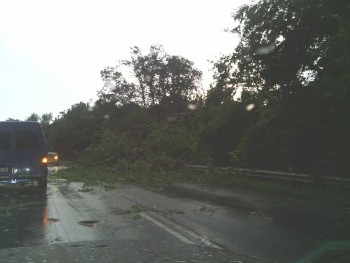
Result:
[90,223]
[76,245]
[120,212]
[52,220]
[260,215]
[101,246]
[205,209]
[171,212]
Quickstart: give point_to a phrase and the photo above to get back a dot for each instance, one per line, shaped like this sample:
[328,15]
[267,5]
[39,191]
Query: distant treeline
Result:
[280,101]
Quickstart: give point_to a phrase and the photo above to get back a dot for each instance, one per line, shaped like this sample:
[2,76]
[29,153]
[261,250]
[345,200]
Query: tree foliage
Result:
[292,58]
[285,45]
[280,101]
[156,77]
[73,130]
[33,117]
[132,110]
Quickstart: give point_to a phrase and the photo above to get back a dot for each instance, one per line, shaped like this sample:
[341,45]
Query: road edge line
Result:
[169,230]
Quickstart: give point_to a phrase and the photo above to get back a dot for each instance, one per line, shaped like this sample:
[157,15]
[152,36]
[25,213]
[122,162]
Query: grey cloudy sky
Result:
[51,52]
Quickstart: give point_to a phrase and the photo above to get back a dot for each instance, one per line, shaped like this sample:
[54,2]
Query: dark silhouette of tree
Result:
[293,58]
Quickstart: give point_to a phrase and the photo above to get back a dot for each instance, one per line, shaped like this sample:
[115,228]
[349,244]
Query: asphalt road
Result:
[187,223]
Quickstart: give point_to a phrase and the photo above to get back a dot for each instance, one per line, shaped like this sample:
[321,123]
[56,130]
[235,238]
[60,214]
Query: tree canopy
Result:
[287,45]
[279,101]
[156,77]
[292,58]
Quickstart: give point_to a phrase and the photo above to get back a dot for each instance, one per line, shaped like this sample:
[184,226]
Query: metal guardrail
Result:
[284,176]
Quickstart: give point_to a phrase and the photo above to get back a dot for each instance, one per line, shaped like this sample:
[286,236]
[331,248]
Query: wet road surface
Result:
[187,223]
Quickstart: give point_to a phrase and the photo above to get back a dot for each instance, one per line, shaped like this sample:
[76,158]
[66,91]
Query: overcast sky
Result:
[51,52]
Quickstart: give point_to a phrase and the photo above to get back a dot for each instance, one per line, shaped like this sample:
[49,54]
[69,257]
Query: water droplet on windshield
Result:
[110,84]
[264,50]
[192,106]
[250,107]
[91,105]
[247,59]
